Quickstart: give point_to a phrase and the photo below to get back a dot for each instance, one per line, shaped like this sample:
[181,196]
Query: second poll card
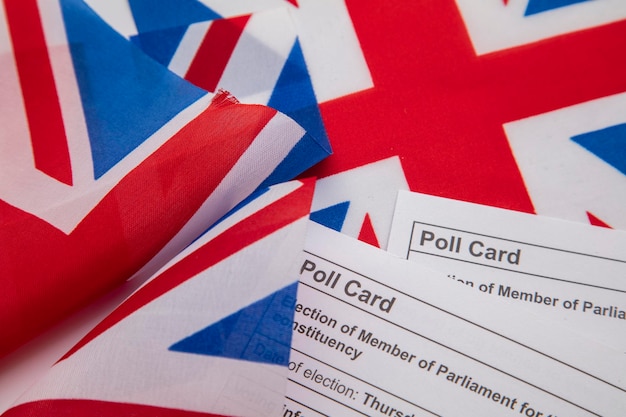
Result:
[568,273]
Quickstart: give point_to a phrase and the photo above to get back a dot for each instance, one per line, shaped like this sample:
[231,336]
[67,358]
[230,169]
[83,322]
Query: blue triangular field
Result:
[260,332]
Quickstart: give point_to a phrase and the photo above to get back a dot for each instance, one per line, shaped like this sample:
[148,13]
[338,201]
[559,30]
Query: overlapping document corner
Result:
[375,335]
[569,273]
[210,334]
[112,164]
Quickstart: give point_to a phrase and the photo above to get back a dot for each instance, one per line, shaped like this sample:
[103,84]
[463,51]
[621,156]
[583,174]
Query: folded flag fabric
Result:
[209,335]
[257,57]
[289,55]
[110,164]
[517,104]
[326,35]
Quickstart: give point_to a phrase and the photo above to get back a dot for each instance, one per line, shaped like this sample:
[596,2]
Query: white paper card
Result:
[569,273]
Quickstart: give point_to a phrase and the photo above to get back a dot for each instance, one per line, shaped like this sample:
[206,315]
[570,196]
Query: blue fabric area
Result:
[126,95]
[332,217]
[160,44]
[260,332]
[165,14]
[539,6]
[608,144]
[294,96]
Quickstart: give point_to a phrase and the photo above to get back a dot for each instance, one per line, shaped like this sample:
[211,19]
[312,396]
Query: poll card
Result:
[570,273]
[377,335]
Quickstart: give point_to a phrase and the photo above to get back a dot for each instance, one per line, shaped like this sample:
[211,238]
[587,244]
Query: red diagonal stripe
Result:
[211,58]
[41,101]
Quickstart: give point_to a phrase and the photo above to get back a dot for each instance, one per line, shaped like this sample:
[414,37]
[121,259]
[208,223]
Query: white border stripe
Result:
[259,57]
[331,48]
[188,47]
[232,8]
[493,27]
[117,14]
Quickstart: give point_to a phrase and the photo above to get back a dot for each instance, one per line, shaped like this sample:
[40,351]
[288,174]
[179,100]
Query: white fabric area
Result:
[550,162]
[497,26]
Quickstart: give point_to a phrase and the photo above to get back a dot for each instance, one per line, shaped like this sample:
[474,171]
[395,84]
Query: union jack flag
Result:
[516,104]
[110,164]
